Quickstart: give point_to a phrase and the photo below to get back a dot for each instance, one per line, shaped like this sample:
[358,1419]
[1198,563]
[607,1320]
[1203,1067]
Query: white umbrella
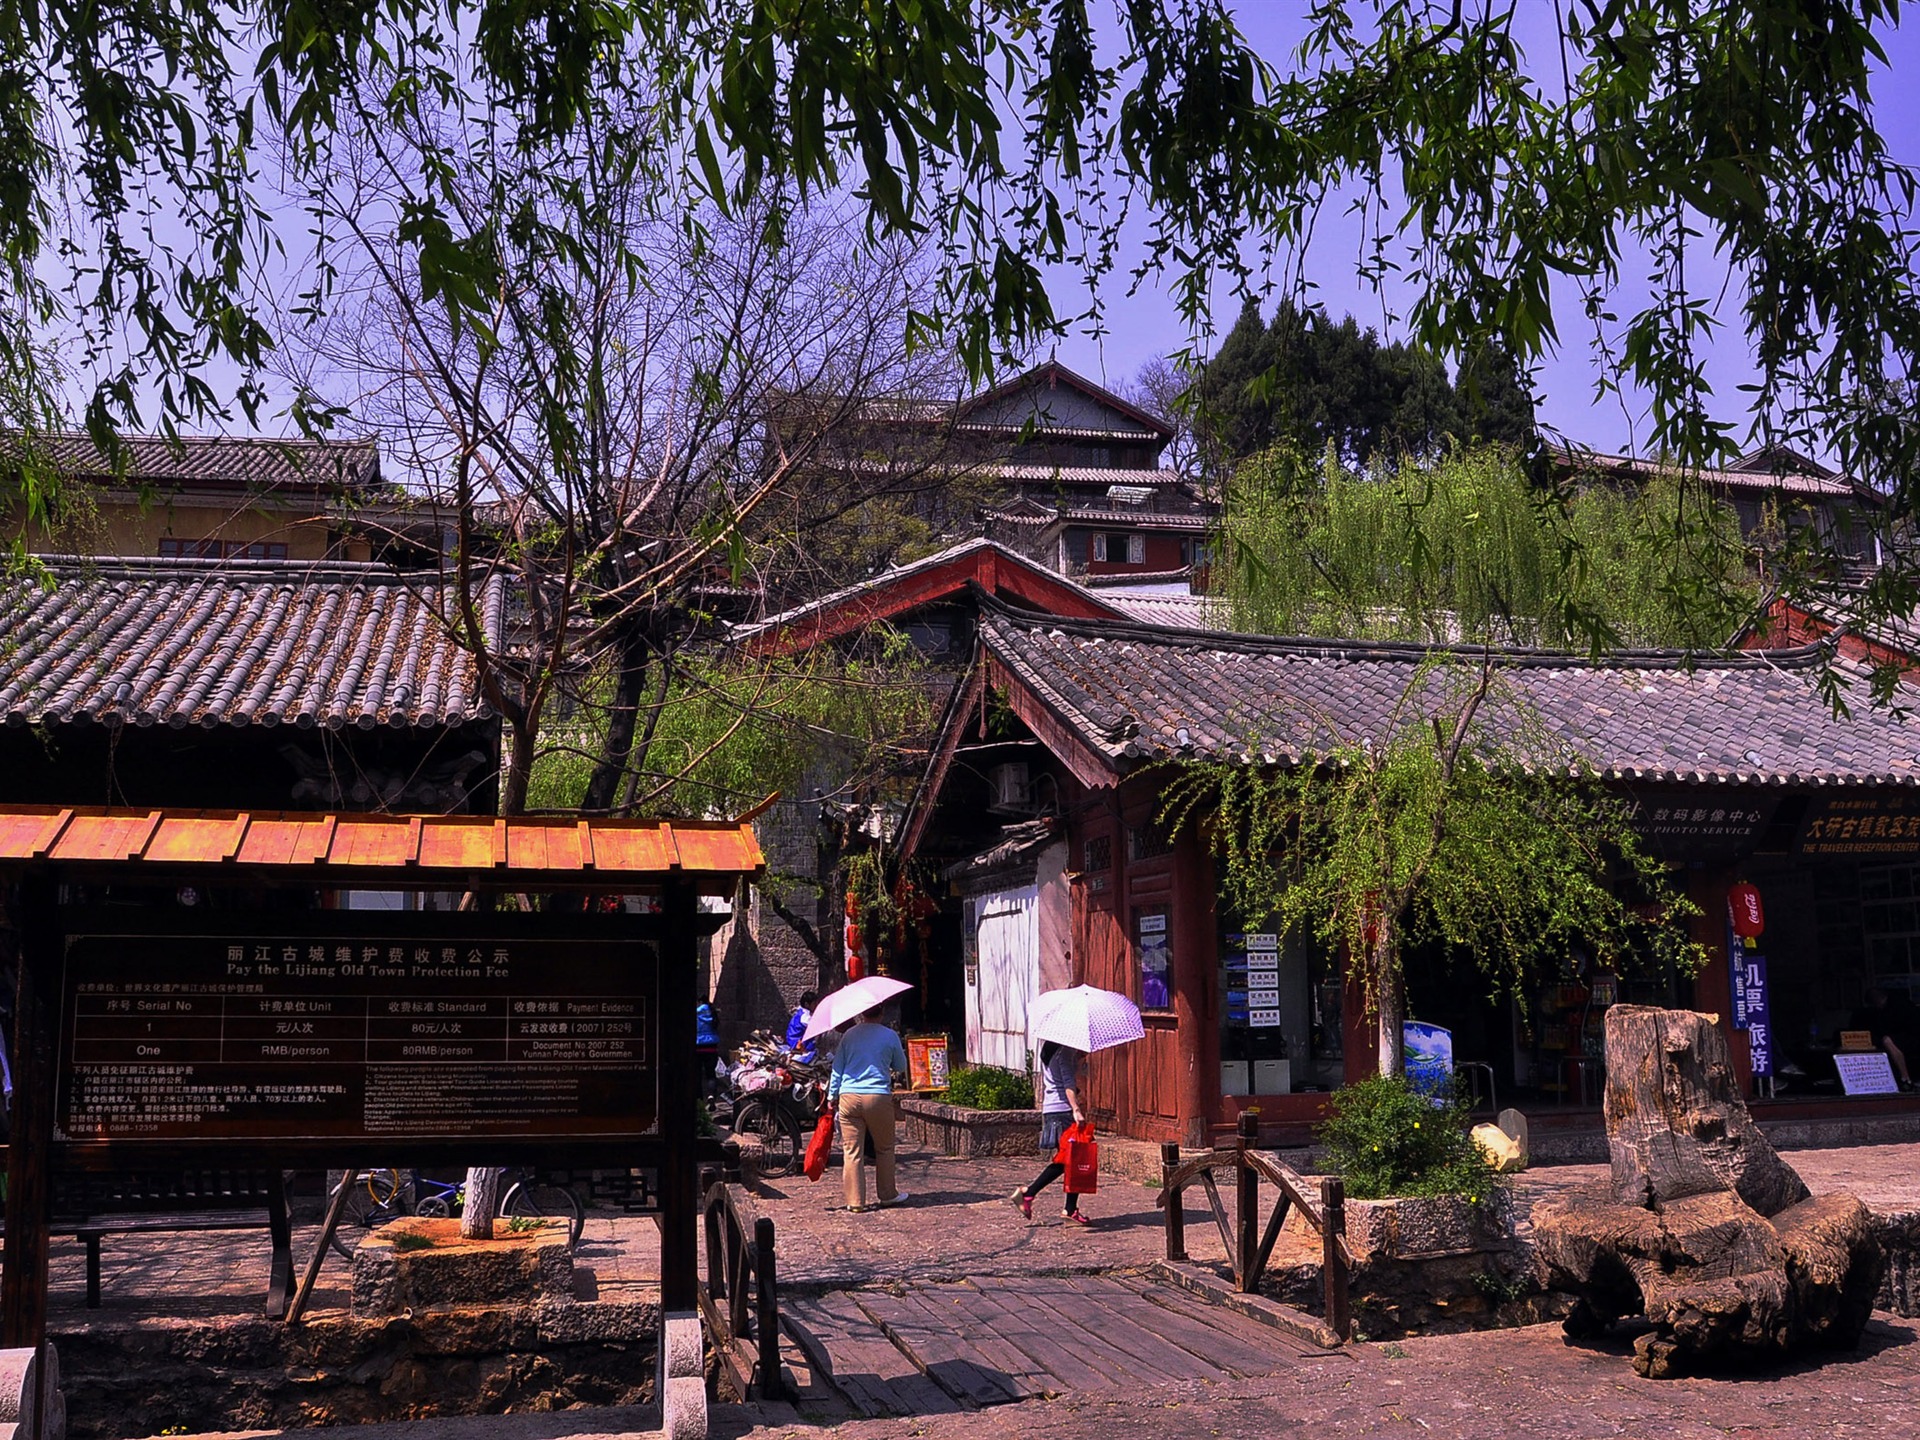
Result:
[854,998]
[1085,1018]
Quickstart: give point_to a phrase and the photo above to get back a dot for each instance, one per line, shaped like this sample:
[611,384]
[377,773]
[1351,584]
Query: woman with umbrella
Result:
[1071,1024]
[860,1090]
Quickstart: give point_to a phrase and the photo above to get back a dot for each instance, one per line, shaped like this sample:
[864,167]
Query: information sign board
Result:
[384,1039]
[1868,1074]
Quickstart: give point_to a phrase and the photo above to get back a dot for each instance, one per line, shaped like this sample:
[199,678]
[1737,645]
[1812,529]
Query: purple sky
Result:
[1147,324]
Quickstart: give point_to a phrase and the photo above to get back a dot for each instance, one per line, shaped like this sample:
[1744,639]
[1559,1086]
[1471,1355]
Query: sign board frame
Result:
[927,1062]
[612,1140]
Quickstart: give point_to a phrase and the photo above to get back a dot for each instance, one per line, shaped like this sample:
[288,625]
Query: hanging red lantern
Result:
[856,958]
[1743,904]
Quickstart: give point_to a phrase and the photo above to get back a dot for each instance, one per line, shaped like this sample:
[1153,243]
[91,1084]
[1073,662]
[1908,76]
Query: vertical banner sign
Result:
[1759,1025]
[1737,978]
[1156,960]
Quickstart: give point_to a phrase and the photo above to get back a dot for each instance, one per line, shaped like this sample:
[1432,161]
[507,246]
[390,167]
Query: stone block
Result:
[393,1277]
[682,1386]
[956,1130]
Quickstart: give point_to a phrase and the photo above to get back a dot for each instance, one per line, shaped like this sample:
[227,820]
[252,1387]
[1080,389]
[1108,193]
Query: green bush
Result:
[983,1087]
[1385,1138]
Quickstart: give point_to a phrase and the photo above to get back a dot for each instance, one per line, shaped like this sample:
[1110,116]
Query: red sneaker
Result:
[1074,1217]
[1026,1205]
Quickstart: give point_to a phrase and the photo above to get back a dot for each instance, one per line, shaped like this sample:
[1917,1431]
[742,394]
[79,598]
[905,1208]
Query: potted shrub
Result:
[1417,1184]
[983,1111]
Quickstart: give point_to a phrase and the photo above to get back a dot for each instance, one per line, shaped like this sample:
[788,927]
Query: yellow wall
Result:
[124,527]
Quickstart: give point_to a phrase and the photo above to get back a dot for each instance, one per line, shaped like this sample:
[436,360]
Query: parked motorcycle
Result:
[777,1097]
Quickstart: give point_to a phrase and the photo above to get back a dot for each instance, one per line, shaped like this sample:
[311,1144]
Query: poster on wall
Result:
[1156,960]
[926,1062]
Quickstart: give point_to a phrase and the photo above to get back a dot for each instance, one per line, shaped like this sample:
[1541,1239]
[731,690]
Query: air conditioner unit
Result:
[1009,785]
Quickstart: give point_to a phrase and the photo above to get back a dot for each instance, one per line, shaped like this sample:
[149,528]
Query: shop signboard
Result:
[1866,824]
[1691,824]
[353,1042]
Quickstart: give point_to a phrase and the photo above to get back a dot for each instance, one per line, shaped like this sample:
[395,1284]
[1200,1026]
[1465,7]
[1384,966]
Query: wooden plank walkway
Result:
[923,1349]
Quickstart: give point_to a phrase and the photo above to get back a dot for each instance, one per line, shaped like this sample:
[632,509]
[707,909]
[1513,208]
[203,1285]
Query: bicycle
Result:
[377,1197]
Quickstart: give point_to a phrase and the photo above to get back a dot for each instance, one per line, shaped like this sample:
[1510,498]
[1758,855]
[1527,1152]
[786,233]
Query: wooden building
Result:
[1740,769]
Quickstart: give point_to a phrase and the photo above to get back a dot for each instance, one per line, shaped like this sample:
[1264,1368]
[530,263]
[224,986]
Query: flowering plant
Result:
[1386,1138]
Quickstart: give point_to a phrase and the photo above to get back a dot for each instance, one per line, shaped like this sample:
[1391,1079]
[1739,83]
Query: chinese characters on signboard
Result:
[1686,825]
[1868,824]
[1751,1012]
[1253,980]
[175,1039]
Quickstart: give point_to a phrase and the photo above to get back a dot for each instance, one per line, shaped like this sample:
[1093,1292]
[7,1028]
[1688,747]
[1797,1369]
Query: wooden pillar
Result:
[1196,976]
[679,1102]
[23,1286]
[1176,1217]
[1713,986]
[1359,1031]
[1246,1201]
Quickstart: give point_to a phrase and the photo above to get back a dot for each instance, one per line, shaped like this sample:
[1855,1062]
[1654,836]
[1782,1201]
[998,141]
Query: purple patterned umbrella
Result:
[1085,1018]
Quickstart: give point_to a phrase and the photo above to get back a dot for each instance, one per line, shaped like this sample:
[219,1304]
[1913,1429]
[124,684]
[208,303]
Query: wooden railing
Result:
[740,1275]
[1248,1247]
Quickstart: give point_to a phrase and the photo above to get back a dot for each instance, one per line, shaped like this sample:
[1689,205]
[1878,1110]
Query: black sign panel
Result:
[186,1039]
[1701,824]
[1873,822]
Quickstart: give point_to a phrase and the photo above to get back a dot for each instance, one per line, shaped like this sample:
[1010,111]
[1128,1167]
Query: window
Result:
[1146,842]
[1099,853]
[1120,549]
[172,548]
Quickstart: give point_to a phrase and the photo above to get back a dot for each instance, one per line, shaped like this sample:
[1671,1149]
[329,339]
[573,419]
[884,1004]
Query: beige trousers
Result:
[860,1116]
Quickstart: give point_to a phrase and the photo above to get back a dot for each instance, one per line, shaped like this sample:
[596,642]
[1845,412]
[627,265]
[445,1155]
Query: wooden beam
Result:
[926,795]
[23,1284]
[679,1091]
[1088,765]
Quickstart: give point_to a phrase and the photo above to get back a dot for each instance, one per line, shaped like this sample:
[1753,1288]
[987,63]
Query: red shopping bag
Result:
[819,1147]
[1083,1160]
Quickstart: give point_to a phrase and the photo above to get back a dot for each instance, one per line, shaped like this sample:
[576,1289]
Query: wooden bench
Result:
[96,1206]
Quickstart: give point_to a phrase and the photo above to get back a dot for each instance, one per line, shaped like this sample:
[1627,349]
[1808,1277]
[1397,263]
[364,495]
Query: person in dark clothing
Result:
[1891,1021]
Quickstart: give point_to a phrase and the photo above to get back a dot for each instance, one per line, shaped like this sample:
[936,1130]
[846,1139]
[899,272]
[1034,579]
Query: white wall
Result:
[1007,933]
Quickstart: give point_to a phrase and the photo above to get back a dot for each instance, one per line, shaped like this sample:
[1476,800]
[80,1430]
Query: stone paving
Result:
[1516,1382]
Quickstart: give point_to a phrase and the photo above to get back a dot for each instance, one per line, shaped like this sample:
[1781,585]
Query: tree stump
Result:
[1706,1231]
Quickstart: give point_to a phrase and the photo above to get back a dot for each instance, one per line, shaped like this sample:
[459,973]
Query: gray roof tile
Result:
[1137,693]
[210,643]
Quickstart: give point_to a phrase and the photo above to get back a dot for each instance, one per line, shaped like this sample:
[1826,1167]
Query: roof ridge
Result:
[147,565]
[1235,641]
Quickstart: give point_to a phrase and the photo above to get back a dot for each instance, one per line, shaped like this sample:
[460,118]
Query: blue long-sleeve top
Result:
[869,1053]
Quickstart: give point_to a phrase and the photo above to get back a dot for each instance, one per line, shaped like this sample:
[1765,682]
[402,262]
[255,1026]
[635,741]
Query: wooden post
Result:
[1246,1259]
[679,1103]
[773,1385]
[1333,1257]
[23,1287]
[716,1253]
[1176,1213]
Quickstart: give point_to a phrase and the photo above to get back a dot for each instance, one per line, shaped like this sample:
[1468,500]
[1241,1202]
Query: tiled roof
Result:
[1031,473]
[522,848]
[1181,611]
[228,461]
[1747,474]
[1135,694]
[209,643]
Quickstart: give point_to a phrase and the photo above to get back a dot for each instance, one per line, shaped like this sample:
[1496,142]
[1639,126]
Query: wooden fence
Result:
[1248,1246]
[740,1275]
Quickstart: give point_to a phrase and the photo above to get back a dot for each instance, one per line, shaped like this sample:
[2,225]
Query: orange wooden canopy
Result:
[427,850]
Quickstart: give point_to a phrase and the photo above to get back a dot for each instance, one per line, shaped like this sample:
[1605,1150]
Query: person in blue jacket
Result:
[797,1026]
[706,1047]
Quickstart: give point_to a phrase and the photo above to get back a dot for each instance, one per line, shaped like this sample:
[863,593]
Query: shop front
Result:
[1818,814]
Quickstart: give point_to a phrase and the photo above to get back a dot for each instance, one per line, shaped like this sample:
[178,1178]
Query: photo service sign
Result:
[176,1039]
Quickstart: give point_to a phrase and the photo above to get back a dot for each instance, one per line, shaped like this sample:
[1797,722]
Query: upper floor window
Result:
[172,548]
[1120,549]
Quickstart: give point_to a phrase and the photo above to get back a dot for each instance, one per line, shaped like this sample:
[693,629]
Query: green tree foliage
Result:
[1022,136]
[1315,384]
[730,731]
[1462,825]
[1468,549]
